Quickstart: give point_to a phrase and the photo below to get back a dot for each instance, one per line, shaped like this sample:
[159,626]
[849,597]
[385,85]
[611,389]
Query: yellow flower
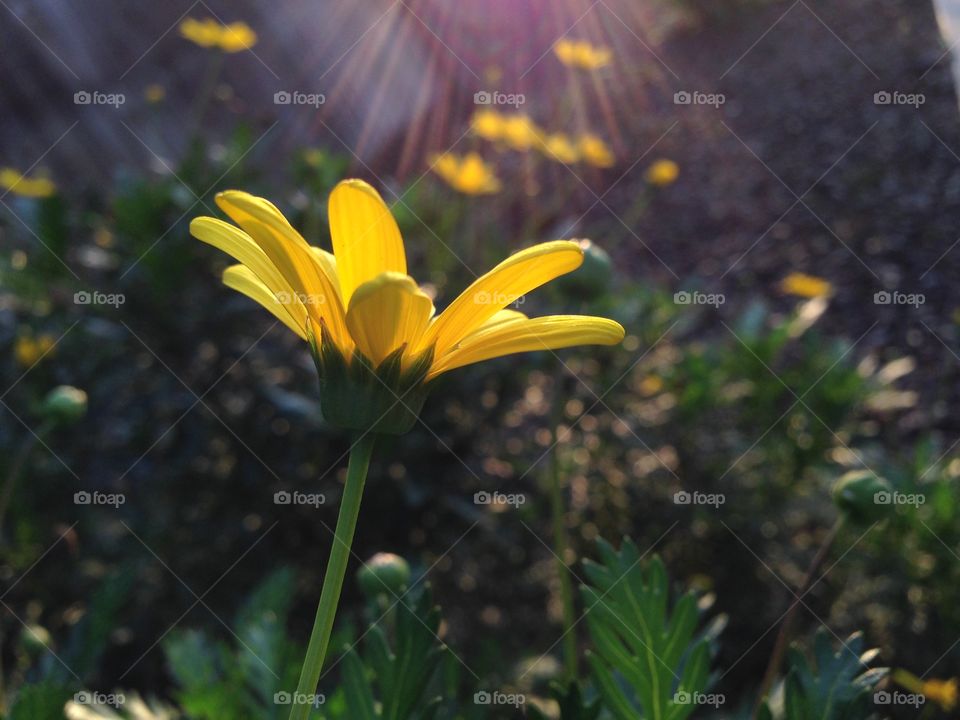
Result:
[662,173]
[595,151]
[468,174]
[369,324]
[559,147]
[581,54]
[154,93]
[28,350]
[806,286]
[208,32]
[520,132]
[14,182]
[488,124]
[945,693]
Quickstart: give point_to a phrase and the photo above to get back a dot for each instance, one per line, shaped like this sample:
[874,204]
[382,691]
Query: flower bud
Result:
[384,573]
[592,279]
[65,403]
[860,496]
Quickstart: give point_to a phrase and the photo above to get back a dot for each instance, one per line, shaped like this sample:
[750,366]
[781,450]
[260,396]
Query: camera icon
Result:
[82,298]
[882,98]
[682,497]
[882,297]
[482,698]
[482,97]
[882,497]
[682,697]
[482,498]
[882,697]
[83,698]
[82,97]
[282,497]
[682,298]
[282,698]
[82,498]
[282,97]
[682,97]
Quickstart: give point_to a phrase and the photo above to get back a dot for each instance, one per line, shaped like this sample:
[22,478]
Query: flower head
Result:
[208,32]
[595,151]
[375,335]
[29,350]
[806,286]
[559,147]
[468,174]
[488,124]
[945,693]
[582,54]
[662,173]
[520,132]
[13,181]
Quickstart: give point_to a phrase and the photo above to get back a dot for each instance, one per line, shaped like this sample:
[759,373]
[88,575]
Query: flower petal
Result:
[366,239]
[526,335]
[386,313]
[505,284]
[293,257]
[242,279]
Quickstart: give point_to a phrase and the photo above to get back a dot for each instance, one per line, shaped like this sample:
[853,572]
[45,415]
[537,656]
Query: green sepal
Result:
[357,396]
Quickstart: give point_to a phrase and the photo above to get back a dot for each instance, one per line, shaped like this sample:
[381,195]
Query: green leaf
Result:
[836,686]
[647,663]
[43,701]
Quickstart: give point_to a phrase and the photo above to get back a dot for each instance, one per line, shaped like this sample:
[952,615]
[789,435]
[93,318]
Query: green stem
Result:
[786,628]
[561,547]
[29,443]
[333,580]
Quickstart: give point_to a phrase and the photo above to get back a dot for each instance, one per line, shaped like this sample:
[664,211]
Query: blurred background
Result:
[772,189]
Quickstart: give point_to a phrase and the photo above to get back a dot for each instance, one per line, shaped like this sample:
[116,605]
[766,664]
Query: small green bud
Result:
[35,639]
[65,404]
[384,573]
[592,279]
[863,496]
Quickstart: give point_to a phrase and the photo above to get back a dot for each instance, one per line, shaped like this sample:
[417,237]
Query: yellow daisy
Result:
[369,324]
[488,124]
[662,173]
[595,151]
[559,147]
[468,174]
[208,32]
[582,54]
[805,286]
[13,181]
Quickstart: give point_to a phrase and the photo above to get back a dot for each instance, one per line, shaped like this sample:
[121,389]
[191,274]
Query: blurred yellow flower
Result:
[468,174]
[28,350]
[208,32]
[154,93]
[561,148]
[945,693]
[14,182]
[488,124]
[520,132]
[805,286]
[582,54]
[595,151]
[662,172]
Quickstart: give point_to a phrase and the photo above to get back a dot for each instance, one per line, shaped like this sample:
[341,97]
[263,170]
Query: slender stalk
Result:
[786,628]
[333,579]
[561,547]
[29,443]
